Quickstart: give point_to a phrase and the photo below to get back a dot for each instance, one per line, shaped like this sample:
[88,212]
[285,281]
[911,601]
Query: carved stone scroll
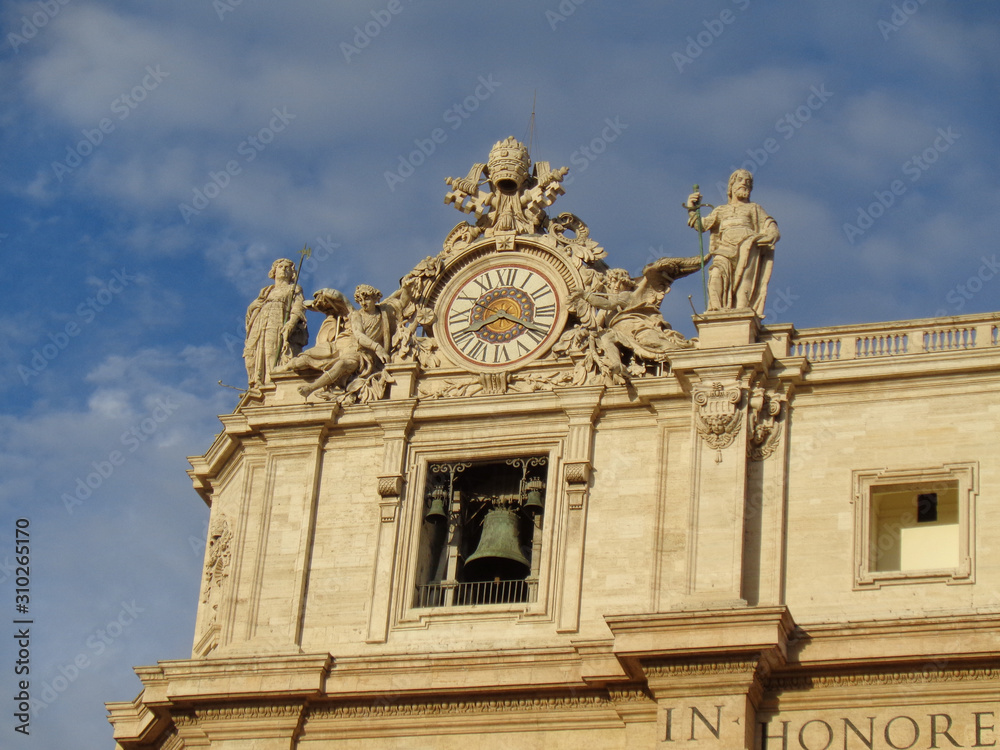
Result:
[719,417]
[767,411]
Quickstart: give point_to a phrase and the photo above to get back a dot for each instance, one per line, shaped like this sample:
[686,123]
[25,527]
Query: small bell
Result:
[533,503]
[437,510]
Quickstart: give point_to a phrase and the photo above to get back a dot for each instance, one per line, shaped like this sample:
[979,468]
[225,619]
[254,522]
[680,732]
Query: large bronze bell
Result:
[498,555]
[437,510]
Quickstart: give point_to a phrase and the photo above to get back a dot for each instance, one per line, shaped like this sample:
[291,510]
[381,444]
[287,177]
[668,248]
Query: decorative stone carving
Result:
[468,706]
[577,476]
[580,247]
[718,417]
[766,410]
[616,313]
[249,712]
[217,566]
[750,664]
[872,679]
[741,247]
[353,346]
[494,383]
[483,385]
[335,344]
[517,197]
[390,485]
[604,325]
[275,324]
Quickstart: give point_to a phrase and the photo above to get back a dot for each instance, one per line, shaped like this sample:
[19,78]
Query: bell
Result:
[534,502]
[498,555]
[437,510]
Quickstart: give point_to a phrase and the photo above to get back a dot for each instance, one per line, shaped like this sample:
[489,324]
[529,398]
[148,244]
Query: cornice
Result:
[889,641]
[916,676]
[371,711]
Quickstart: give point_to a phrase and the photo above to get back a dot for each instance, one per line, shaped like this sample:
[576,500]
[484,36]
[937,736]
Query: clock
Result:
[501,314]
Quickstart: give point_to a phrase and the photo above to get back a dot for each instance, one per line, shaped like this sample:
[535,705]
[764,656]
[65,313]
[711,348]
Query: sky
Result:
[155,158]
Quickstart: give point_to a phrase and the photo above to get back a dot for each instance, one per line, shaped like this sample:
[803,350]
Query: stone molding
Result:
[242,713]
[733,665]
[917,676]
[460,707]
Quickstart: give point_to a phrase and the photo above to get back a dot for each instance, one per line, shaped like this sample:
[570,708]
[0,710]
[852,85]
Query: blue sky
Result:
[299,122]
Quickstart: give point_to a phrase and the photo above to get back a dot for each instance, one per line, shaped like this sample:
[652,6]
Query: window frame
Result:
[542,608]
[921,480]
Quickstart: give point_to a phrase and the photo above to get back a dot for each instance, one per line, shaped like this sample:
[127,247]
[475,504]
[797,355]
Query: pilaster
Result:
[581,406]
[274,540]
[395,417]
[718,382]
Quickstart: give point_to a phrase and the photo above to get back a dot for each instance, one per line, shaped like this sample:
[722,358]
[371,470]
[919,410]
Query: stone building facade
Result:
[549,521]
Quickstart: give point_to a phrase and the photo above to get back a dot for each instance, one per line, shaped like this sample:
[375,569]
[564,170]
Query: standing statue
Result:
[741,247]
[276,324]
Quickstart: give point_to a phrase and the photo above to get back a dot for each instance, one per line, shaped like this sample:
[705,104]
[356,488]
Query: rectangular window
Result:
[914,525]
[911,530]
[480,542]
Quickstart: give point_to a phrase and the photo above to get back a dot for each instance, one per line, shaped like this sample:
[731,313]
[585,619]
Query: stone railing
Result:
[870,340]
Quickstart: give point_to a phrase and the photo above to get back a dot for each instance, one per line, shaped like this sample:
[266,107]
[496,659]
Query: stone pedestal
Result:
[723,328]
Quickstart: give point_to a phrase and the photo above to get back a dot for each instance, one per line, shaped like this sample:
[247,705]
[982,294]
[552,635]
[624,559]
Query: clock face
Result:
[502,316]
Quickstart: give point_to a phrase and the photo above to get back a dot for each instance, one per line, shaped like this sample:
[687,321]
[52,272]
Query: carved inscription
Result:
[892,729]
[905,728]
[689,723]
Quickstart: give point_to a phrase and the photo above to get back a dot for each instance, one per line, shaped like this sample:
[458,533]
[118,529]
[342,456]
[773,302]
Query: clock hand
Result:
[482,324]
[531,326]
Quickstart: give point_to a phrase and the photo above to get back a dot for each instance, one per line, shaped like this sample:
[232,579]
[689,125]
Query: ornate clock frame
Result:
[500,293]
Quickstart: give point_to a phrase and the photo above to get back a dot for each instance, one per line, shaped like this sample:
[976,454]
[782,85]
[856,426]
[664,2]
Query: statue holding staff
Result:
[275,324]
[741,247]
